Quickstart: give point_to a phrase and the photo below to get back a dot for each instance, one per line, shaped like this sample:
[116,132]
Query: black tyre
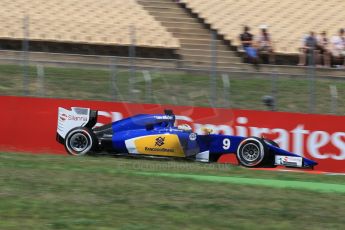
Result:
[253,152]
[80,141]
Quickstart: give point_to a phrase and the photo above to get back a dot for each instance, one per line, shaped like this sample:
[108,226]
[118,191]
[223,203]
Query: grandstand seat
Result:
[106,22]
[288,20]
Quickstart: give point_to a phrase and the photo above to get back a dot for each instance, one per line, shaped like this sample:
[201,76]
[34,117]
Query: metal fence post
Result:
[274,89]
[311,73]
[148,84]
[213,70]
[25,55]
[113,71]
[226,90]
[334,99]
[40,79]
[132,55]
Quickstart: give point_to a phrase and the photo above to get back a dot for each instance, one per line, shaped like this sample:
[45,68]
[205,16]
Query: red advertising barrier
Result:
[29,125]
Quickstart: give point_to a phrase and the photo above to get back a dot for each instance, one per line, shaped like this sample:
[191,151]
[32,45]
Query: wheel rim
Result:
[79,142]
[250,152]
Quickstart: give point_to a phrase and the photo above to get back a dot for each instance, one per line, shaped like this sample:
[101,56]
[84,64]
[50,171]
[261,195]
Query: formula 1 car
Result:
[156,135]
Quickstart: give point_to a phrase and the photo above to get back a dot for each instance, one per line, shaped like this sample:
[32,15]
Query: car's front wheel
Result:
[79,141]
[253,152]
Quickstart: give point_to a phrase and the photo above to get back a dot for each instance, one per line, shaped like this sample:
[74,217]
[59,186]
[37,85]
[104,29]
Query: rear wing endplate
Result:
[75,117]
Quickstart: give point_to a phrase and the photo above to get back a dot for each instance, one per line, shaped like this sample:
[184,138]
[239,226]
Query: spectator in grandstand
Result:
[264,42]
[324,56]
[247,40]
[309,50]
[338,46]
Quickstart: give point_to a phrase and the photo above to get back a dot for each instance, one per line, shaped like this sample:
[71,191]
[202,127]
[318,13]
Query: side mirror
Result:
[149,127]
[168,112]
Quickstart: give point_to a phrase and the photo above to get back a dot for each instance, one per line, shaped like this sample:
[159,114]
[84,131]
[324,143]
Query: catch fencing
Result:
[171,81]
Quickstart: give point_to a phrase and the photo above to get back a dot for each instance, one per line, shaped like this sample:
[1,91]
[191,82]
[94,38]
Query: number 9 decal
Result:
[226,143]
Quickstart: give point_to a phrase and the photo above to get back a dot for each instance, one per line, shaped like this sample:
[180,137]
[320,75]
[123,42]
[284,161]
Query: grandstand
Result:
[166,33]
[195,37]
[288,20]
[101,23]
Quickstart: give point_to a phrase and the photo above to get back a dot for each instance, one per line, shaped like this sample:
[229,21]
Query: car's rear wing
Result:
[76,117]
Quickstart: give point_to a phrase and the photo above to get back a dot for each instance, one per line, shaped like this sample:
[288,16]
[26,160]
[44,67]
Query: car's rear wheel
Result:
[253,152]
[79,141]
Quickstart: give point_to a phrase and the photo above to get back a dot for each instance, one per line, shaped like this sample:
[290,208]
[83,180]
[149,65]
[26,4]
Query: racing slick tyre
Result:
[253,152]
[80,141]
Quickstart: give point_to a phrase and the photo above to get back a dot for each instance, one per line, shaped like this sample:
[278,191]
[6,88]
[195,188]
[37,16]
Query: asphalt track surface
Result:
[273,183]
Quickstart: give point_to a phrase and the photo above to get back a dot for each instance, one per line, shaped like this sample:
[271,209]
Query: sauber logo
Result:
[288,161]
[283,160]
[159,141]
[63,117]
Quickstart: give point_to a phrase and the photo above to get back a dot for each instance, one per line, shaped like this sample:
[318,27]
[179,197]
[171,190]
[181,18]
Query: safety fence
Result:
[237,89]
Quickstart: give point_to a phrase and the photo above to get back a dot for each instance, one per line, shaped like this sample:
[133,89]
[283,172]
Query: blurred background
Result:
[186,52]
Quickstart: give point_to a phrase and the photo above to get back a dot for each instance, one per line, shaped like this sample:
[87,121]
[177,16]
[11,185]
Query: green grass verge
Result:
[61,192]
[173,88]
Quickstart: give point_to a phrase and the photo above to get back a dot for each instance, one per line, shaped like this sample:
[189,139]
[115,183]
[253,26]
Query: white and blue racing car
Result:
[156,135]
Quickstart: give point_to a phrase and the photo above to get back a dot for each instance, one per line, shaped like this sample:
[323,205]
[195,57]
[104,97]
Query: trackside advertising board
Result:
[29,125]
